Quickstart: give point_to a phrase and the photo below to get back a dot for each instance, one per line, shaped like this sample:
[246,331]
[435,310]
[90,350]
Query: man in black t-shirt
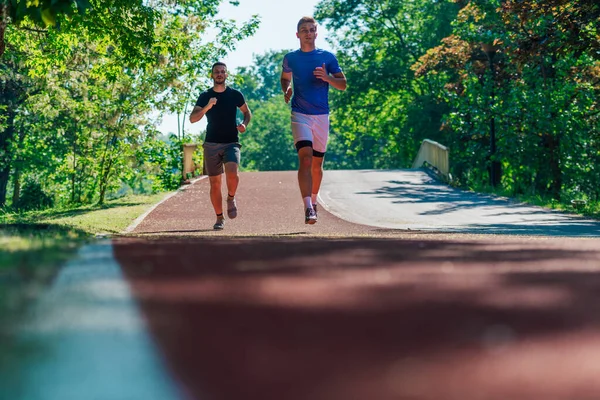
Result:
[221,146]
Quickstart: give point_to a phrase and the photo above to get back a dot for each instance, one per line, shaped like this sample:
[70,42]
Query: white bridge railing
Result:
[435,155]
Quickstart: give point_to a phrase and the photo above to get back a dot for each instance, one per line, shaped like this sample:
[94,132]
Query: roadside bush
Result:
[33,196]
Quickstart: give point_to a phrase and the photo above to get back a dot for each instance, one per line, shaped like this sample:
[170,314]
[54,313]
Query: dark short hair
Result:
[304,20]
[217,64]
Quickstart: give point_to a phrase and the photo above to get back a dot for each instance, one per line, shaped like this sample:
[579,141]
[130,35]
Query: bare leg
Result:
[216,198]
[232,177]
[304,171]
[317,174]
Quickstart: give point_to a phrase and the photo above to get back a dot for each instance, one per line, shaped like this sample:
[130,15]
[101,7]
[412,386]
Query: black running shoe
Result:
[220,224]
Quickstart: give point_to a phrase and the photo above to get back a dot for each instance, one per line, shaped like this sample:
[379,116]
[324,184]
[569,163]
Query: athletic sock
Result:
[229,197]
[307,202]
[220,215]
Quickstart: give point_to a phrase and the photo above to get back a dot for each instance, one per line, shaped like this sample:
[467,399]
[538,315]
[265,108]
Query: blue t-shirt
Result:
[310,93]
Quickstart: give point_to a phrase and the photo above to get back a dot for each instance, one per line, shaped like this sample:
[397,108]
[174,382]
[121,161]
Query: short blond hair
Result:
[305,20]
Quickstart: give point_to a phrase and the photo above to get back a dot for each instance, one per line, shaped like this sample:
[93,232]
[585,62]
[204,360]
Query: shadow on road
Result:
[355,319]
[492,214]
[435,192]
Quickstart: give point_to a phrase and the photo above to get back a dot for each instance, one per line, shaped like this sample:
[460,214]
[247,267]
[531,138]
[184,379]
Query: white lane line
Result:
[85,338]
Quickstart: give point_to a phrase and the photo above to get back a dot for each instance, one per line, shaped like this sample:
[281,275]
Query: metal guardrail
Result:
[435,155]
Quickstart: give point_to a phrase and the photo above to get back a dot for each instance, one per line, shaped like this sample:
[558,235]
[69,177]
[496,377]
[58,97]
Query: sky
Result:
[277,31]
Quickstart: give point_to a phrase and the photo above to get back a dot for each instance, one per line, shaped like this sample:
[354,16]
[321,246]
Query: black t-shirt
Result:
[222,124]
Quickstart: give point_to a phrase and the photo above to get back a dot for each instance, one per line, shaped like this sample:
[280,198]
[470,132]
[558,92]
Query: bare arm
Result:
[286,85]
[337,80]
[199,112]
[247,116]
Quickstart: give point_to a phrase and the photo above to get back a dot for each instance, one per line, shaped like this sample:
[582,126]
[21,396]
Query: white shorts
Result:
[314,128]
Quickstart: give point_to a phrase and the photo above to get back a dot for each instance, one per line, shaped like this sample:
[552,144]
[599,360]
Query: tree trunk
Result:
[2,44]
[3,21]
[555,171]
[16,188]
[4,175]
[74,174]
[106,168]
[17,173]
[549,176]
[105,178]
[5,161]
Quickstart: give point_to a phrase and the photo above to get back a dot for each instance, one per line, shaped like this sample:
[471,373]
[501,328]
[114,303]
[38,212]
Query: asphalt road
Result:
[412,199]
[364,203]
[271,308]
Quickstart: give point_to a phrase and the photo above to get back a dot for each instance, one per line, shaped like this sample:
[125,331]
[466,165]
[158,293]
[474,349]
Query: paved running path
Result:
[344,310]
[269,203]
[372,318]
[273,309]
[370,203]
[412,199]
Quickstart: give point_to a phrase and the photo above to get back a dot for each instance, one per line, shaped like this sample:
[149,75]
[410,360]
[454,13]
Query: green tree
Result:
[268,143]
[127,22]
[385,112]
[87,121]
[536,78]
[15,87]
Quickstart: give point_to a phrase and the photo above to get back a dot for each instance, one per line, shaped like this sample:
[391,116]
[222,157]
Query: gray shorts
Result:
[217,154]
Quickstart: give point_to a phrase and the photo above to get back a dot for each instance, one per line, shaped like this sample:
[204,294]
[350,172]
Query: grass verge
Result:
[110,218]
[35,244]
[590,209]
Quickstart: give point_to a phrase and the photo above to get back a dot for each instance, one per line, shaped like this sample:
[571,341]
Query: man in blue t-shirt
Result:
[221,145]
[312,71]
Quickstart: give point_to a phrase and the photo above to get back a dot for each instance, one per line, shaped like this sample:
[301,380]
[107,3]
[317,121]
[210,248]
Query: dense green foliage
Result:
[456,71]
[385,113]
[79,87]
[531,69]
[268,143]
[452,71]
